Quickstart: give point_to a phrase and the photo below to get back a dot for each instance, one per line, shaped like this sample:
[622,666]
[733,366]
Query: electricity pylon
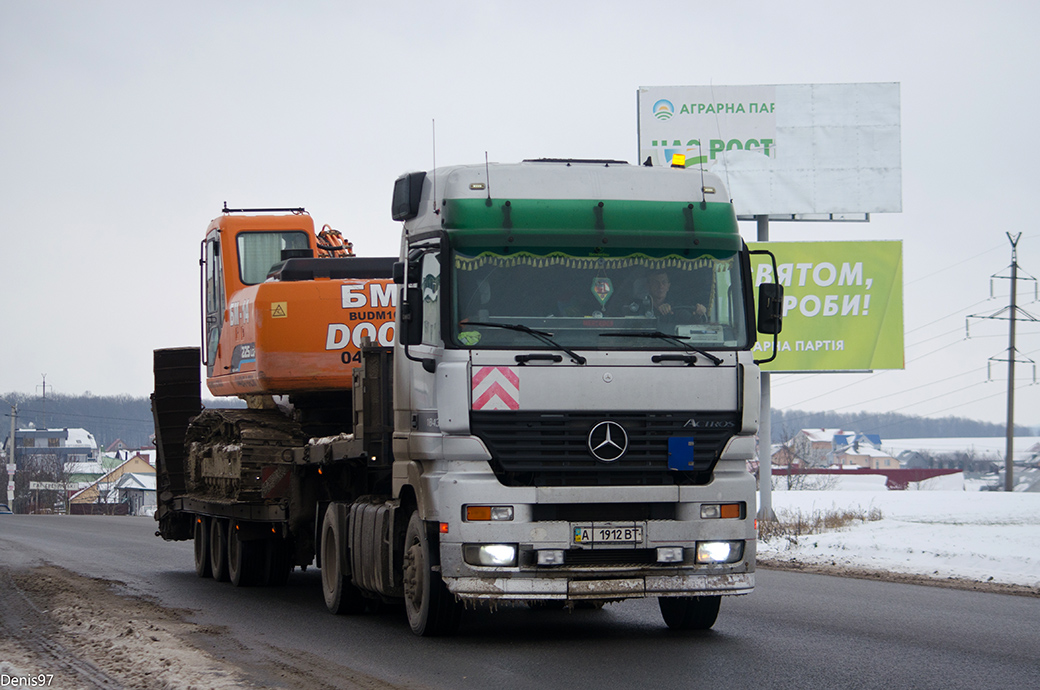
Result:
[1012,313]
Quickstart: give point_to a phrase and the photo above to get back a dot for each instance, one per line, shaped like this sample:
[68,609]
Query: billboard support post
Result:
[765,427]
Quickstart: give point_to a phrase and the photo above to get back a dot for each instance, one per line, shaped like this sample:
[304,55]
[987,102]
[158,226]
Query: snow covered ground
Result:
[983,536]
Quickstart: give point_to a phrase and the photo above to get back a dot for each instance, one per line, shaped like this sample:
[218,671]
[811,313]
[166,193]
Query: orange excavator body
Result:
[277,320]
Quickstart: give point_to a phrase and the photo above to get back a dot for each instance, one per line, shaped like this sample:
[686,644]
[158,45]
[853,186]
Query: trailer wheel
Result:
[689,613]
[218,530]
[243,565]
[202,565]
[432,610]
[341,596]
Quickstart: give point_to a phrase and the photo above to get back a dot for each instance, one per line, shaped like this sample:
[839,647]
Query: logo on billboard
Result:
[663,109]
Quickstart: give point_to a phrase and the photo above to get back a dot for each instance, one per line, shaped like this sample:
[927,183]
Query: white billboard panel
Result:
[783,149]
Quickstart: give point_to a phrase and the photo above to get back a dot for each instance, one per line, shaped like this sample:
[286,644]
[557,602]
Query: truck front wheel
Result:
[690,613]
[431,608]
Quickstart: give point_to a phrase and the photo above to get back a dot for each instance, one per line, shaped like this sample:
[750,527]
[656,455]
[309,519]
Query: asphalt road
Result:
[795,631]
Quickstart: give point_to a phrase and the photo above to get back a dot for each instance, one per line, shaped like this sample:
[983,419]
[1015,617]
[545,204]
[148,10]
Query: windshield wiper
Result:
[544,336]
[677,339]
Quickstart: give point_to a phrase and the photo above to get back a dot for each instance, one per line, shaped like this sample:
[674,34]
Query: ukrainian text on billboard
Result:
[843,305]
[783,149]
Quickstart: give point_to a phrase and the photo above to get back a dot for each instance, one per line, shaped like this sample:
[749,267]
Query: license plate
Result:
[608,534]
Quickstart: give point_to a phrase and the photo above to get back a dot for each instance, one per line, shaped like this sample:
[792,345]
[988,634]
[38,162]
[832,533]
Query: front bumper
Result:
[607,572]
[602,588]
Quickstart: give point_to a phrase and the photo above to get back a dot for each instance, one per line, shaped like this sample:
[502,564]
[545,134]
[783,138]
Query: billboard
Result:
[843,305]
[783,149]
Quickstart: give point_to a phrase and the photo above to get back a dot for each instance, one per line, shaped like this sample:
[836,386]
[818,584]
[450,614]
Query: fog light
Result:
[550,557]
[719,551]
[489,554]
[669,554]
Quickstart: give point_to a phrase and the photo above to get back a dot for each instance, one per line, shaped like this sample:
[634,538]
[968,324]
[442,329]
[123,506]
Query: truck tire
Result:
[341,595]
[218,548]
[432,610]
[243,564]
[202,565]
[690,613]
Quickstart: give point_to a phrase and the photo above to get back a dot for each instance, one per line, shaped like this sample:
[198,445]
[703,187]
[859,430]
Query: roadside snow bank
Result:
[980,536]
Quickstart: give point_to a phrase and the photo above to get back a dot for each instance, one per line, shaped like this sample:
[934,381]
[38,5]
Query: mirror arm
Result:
[771,357]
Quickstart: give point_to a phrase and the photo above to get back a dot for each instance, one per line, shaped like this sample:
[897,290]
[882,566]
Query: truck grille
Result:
[551,448]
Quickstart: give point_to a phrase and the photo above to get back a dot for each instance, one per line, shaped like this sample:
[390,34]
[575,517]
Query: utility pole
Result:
[12,467]
[44,420]
[1013,314]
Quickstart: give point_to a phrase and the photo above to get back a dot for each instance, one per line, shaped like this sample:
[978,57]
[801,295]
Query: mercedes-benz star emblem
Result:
[608,441]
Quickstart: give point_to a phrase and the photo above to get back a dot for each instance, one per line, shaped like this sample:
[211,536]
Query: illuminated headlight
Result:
[489,554]
[719,551]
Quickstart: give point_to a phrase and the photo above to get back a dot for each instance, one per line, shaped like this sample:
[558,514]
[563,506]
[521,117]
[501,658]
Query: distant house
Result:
[784,456]
[116,446]
[815,447]
[66,444]
[869,457]
[137,489]
[828,447]
[80,475]
[103,490]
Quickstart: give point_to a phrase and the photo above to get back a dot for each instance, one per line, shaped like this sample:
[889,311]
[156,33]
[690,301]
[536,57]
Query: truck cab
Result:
[575,399]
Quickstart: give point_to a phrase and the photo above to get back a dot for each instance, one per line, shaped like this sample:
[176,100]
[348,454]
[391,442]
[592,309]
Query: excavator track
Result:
[241,455]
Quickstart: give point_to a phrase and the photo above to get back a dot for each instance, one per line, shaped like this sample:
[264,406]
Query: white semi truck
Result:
[564,415]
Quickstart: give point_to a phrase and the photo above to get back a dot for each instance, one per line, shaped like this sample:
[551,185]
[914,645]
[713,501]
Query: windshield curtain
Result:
[259,251]
[584,301]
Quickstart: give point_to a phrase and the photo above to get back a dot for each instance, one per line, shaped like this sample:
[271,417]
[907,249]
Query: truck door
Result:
[430,292]
[214,298]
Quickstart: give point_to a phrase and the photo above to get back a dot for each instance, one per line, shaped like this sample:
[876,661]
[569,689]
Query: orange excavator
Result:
[286,311]
[287,314]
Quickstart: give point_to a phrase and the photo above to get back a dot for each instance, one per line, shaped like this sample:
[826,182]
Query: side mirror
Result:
[411,317]
[407,192]
[770,308]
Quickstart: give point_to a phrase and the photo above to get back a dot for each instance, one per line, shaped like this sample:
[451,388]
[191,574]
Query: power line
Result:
[975,400]
[943,318]
[905,391]
[22,412]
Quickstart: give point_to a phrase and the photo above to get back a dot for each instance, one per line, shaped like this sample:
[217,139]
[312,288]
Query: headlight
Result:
[719,551]
[489,554]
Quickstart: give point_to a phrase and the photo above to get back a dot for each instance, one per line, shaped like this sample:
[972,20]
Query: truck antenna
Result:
[700,163]
[436,210]
[487,175]
[718,126]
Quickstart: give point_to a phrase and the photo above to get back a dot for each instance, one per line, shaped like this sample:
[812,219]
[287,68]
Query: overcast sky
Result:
[124,126]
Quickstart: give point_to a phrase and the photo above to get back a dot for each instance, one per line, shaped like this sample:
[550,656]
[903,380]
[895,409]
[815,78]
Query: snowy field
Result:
[982,536]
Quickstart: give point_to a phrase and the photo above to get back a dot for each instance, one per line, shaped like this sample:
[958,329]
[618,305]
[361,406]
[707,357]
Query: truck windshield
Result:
[597,302]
